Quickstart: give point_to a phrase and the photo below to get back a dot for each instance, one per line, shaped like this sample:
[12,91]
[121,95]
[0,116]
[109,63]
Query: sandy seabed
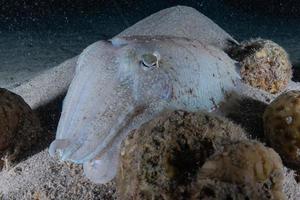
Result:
[25,55]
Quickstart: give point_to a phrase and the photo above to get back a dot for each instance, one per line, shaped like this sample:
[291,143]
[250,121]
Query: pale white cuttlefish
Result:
[125,82]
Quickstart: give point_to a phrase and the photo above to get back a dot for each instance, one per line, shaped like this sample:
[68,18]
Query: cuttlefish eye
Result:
[150,60]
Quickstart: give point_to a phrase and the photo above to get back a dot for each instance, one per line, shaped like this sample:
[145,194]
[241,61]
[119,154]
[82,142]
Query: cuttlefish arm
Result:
[103,168]
[96,101]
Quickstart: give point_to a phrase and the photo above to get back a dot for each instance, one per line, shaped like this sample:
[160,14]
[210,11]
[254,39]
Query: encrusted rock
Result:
[19,128]
[282,127]
[160,159]
[245,170]
[264,64]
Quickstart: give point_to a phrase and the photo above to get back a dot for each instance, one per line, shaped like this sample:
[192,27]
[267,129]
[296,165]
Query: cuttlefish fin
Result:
[118,41]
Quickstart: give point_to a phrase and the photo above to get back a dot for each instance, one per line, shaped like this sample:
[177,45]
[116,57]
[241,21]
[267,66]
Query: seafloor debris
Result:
[264,64]
[161,158]
[19,128]
[245,170]
[282,127]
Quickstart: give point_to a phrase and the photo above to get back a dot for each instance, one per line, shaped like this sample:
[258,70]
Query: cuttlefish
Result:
[124,82]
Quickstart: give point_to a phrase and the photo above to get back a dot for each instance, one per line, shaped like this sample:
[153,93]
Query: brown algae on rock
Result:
[161,158]
[282,127]
[19,128]
[245,170]
[264,64]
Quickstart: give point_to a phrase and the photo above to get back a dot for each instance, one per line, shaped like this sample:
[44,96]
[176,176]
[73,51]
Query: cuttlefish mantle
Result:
[127,81]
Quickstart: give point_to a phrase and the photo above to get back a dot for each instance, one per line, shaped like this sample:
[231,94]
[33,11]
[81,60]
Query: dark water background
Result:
[42,34]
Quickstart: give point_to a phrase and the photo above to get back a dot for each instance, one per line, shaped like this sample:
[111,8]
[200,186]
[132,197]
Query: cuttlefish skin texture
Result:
[123,83]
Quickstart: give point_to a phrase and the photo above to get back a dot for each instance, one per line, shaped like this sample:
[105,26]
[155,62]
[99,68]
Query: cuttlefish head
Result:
[113,81]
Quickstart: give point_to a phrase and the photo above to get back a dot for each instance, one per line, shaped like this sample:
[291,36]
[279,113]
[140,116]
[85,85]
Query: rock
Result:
[20,128]
[161,158]
[282,127]
[244,170]
[264,64]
